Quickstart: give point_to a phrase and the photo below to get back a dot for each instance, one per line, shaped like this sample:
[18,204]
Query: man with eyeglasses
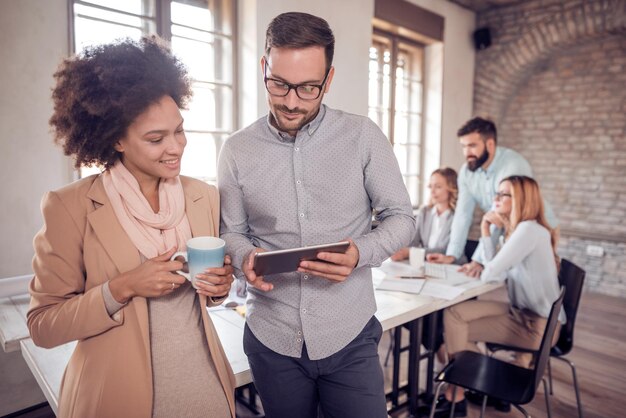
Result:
[307,174]
[486,165]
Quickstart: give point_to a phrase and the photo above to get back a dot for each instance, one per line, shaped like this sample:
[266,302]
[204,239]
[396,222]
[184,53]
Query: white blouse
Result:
[527,261]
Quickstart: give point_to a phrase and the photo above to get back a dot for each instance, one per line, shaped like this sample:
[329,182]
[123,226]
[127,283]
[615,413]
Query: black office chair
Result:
[572,278]
[491,377]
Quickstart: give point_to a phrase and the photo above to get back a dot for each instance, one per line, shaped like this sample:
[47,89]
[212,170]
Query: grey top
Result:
[280,192]
[526,259]
[424,225]
[182,370]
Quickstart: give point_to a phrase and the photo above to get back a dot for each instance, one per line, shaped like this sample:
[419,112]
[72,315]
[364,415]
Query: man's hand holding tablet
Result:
[332,265]
[331,261]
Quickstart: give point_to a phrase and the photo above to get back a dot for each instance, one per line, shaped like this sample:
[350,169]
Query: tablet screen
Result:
[282,261]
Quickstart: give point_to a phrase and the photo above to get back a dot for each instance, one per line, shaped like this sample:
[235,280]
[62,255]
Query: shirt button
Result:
[298,182]
[306,277]
[299,332]
[299,340]
[296,149]
[302,215]
[303,310]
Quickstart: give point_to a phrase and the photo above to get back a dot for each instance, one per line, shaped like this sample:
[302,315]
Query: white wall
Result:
[33,39]
[458,74]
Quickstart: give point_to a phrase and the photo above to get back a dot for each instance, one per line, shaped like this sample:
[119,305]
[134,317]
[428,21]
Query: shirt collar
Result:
[309,128]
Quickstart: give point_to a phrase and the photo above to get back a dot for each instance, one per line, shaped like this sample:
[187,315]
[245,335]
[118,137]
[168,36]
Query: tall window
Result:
[201,33]
[395,102]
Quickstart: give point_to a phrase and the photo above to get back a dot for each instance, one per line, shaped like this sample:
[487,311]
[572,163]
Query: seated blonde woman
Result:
[433,223]
[434,220]
[528,260]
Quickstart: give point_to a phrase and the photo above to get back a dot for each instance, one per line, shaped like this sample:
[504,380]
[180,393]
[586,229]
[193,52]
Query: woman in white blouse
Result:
[434,220]
[528,260]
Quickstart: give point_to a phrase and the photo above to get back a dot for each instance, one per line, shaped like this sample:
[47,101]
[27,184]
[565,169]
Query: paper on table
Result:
[13,286]
[449,272]
[398,269]
[402,285]
[440,290]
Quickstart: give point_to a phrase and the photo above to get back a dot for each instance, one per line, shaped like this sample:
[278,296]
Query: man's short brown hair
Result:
[484,127]
[300,30]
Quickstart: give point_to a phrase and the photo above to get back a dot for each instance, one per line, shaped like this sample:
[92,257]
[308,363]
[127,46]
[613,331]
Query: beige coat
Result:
[80,247]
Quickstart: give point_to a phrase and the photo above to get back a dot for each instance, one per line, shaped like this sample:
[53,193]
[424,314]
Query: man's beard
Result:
[478,162]
[296,110]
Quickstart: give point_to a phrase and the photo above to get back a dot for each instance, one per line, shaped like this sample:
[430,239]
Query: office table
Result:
[394,309]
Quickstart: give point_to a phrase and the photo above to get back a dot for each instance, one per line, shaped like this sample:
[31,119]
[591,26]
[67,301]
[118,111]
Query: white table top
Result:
[394,309]
[13,321]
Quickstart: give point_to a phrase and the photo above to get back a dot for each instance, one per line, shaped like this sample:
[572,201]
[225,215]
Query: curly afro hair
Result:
[99,93]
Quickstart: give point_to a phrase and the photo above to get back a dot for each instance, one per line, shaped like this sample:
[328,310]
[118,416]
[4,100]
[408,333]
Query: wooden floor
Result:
[599,356]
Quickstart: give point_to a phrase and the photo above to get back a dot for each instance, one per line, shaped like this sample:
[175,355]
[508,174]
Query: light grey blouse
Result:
[424,227]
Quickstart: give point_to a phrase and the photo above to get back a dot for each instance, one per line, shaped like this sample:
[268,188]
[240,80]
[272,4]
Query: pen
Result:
[411,277]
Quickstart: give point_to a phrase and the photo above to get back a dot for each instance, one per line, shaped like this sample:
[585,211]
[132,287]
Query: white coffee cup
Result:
[416,257]
[202,253]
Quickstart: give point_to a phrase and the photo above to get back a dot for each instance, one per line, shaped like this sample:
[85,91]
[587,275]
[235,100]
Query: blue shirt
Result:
[281,192]
[480,187]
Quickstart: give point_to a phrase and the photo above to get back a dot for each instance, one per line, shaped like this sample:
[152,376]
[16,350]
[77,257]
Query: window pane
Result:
[408,158]
[408,80]
[200,157]
[138,7]
[96,26]
[407,128]
[210,15]
[210,108]
[207,60]
[411,57]
[90,32]
[412,184]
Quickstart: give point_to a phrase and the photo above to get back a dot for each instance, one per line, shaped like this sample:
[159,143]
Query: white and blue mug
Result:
[202,253]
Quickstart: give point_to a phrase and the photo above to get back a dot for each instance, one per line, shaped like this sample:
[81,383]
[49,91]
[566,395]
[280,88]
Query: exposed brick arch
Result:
[501,69]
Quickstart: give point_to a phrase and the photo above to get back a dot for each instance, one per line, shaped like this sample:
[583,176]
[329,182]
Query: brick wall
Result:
[554,81]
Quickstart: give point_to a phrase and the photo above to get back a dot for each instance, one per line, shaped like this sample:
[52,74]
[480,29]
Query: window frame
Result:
[395,41]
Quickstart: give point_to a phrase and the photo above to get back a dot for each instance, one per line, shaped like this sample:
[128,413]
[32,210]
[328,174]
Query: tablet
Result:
[282,261]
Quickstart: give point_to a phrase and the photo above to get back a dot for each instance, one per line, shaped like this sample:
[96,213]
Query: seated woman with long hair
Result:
[433,223]
[434,220]
[528,260]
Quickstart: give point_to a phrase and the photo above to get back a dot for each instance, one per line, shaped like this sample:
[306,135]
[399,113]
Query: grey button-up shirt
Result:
[281,192]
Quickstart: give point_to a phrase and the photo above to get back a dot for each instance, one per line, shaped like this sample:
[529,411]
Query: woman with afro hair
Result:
[103,276]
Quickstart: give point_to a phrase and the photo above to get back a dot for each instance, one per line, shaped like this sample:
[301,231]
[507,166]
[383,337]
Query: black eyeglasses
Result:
[303,91]
[500,195]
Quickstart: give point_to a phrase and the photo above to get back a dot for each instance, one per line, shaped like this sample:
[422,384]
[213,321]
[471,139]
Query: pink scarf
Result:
[152,233]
